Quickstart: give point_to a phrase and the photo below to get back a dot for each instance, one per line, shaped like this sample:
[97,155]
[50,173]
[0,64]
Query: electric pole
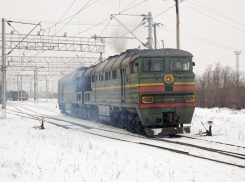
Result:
[237,53]
[177,26]
[155,35]
[3,71]
[101,57]
[162,43]
[149,31]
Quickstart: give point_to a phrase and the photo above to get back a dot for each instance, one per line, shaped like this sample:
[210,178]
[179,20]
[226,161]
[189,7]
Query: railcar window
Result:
[96,78]
[101,76]
[135,67]
[114,74]
[92,78]
[127,71]
[153,64]
[106,75]
[118,73]
[88,83]
[109,75]
[78,97]
[179,64]
[87,97]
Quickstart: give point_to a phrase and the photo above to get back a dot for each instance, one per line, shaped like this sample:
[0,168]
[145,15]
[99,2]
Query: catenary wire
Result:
[203,40]
[134,6]
[125,33]
[72,16]
[213,18]
[105,28]
[68,22]
[166,3]
[166,10]
[221,14]
[65,13]
[128,6]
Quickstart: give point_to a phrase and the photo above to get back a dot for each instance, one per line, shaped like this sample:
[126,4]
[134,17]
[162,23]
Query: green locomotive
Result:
[145,91]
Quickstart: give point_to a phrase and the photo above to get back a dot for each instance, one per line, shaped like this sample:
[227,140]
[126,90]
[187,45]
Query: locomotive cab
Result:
[166,91]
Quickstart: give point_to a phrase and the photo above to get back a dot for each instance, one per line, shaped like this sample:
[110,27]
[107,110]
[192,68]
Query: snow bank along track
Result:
[228,153]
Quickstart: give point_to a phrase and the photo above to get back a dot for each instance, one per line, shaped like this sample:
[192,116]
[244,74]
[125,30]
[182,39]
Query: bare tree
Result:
[220,87]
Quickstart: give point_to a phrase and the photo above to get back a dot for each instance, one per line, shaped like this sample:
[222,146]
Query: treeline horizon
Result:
[220,87]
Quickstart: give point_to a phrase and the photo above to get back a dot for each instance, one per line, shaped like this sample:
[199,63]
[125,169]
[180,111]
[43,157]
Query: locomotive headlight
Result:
[147,100]
[189,98]
[168,78]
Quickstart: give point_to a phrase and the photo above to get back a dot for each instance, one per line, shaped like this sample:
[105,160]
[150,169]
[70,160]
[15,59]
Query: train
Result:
[149,92]
[13,95]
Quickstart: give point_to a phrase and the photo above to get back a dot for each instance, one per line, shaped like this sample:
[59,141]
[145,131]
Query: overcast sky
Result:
[210,30]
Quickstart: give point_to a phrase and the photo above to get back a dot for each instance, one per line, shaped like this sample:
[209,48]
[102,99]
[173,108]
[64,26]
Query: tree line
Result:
[220,87]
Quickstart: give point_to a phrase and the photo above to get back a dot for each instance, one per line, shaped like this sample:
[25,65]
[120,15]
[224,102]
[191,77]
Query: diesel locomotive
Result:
[13,95]
[149,92]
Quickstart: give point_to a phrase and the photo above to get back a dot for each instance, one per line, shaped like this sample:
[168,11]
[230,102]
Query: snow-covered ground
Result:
[58,154]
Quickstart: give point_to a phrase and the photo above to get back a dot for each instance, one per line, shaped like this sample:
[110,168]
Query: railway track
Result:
[37,106]
[194,138]
[213,141]
[227,153]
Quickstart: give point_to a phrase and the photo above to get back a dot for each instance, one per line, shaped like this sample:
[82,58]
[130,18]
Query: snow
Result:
[57,154]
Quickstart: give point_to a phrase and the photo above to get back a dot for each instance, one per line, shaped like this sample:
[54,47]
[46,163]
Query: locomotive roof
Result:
[124,59]
[78,72]
[110,63]
[89,70]
[117,63]
[166,52]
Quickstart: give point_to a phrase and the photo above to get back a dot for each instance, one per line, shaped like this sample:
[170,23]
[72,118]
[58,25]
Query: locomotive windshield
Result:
[179,64]
[153,64]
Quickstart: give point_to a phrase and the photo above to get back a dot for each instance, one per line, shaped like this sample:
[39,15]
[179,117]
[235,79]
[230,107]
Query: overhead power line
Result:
[65,12]
[213,17]
[218,13]
[133,6]
[128,5]
[200,39]
[166,10]
[72,16]
[34,22]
